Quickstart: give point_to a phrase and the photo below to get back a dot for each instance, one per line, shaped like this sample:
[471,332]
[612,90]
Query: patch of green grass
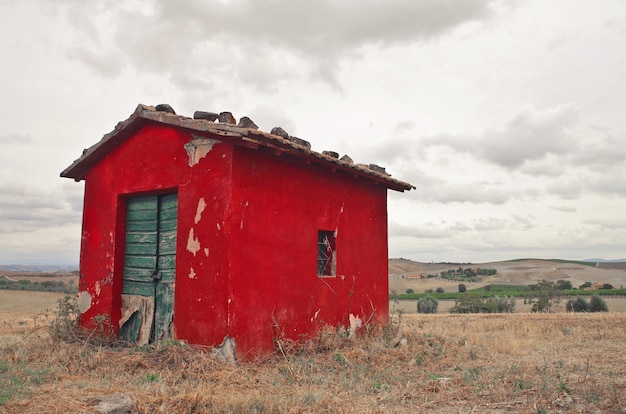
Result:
[151,378]
[17,380]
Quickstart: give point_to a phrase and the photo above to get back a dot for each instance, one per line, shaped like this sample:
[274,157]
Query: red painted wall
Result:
[279,204]
[155,161]
[247,240]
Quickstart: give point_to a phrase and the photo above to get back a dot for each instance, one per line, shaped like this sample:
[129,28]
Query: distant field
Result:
[15,304]
[405,274]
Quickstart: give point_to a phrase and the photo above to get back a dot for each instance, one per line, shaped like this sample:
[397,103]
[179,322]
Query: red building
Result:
[204,231]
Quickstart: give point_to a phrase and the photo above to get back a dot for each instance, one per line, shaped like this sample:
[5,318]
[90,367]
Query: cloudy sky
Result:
[508,116]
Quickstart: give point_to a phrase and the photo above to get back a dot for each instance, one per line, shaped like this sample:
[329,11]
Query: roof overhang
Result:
[237,135]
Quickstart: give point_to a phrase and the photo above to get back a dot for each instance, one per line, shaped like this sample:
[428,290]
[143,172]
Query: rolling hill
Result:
[404,274]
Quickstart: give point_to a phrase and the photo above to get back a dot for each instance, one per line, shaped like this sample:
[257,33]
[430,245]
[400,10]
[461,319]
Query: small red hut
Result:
[203,231]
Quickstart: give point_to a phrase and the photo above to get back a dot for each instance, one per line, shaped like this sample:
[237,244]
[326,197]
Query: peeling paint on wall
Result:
[198,148]
[193,244]
[192,274]
[355,324]
[243,213]
[84,301]
[206,251]
[315,316]
[199,210]
[226,349]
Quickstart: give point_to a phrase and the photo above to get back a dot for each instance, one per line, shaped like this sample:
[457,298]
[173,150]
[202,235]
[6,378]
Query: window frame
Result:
[326,253]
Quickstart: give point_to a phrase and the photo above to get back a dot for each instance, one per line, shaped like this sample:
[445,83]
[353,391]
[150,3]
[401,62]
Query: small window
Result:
[326,253]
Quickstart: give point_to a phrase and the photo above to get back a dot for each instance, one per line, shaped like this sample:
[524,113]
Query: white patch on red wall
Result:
[355,324]
[192,274]
[193,244]
[198,148]
[84,301]
[199,210]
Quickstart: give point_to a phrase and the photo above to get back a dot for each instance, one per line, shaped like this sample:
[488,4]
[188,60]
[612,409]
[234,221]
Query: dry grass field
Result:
[521,363]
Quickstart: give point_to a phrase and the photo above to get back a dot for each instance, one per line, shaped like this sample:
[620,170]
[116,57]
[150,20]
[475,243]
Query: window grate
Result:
[326,253]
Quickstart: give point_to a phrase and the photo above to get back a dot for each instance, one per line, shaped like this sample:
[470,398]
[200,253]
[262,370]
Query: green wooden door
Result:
[149,268]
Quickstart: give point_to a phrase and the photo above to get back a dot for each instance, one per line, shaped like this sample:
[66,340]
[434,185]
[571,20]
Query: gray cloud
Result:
[564,209]
[15,139]
[25,208]
[445,230]
[426,231]
[529,136]
[209,37]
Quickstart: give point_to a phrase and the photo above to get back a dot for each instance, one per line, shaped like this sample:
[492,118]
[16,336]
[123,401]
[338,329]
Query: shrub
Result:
[410,291]
[440,290]
[427,305]
[462,288]
[597,304]
[467,303]
[64,325]
[505,305]
[563,284]
[577,305]
[607,286]
[473,303]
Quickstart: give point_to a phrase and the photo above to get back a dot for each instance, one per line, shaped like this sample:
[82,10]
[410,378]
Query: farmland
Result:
[522,362]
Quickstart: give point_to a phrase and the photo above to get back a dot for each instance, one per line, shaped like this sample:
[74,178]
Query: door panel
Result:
[149,268]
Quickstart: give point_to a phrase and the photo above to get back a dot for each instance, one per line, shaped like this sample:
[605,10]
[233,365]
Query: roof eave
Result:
[144,114]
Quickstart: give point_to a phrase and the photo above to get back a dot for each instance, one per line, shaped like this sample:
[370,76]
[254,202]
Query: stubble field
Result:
[525,363]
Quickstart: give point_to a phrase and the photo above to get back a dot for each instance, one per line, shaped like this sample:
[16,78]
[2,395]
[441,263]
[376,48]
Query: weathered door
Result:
[149,269]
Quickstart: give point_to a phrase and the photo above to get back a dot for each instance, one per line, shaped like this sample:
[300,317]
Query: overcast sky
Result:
[508,116]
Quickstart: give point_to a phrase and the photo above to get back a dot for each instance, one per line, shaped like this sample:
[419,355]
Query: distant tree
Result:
[585,285]
[468,303]
[410,291]
[462,287]
[440,290]
[427,304]
[473,303]
[544,295]
[597,304]
[505,305]
[607,286]
[577,305]
[563,284]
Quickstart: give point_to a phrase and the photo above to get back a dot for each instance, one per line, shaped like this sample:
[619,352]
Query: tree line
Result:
[44,286]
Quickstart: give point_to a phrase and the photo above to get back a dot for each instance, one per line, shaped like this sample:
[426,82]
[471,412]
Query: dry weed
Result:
[527,363]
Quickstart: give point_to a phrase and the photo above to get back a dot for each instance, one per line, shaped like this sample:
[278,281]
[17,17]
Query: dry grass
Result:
[527,363]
